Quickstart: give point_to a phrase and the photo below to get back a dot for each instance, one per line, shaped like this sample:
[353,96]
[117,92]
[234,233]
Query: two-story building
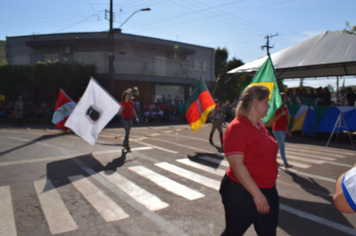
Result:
[161,69]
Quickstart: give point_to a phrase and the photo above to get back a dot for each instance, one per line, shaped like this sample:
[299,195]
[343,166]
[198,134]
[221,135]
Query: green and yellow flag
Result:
[266,76]
[199,106]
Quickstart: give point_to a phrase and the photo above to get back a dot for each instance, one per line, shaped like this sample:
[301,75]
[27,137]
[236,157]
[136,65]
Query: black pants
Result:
[241,211]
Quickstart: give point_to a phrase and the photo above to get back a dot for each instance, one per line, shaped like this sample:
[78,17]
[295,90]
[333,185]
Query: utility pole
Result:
[111,50]
[112,45]
[267,43]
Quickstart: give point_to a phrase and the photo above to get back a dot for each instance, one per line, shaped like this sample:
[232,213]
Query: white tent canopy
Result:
[327,54]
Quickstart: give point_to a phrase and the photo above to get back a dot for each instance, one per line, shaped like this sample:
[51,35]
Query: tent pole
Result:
[301,82]
[337,89]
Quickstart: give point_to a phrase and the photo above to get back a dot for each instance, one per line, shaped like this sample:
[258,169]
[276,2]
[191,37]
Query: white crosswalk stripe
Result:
[206,168]
[105,206]
[304,159]
[51,204]
[308,155]
[147,199]
[166,183]
[7,221]
[211,183]
[308,152]
[319,149]
[294,163]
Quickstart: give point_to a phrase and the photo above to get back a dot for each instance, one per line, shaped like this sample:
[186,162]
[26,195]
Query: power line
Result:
[76,23]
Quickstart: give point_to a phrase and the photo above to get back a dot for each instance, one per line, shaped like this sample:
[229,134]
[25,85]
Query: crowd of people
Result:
[42,110]
[319,97]
[159,111]
[170,110]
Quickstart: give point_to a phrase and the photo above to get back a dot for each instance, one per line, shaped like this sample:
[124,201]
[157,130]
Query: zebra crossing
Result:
[7,222]
[60,220]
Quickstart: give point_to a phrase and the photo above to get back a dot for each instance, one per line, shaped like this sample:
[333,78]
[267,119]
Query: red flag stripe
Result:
[193,113]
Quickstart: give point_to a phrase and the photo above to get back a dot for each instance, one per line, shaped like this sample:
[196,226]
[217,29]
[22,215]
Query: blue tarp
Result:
[328,120]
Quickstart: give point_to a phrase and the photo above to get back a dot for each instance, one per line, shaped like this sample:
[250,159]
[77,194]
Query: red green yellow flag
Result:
[199,106]
[266,76]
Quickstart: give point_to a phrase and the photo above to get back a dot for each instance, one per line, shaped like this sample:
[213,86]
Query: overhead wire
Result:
[199,11]
[76,23]
[217,17]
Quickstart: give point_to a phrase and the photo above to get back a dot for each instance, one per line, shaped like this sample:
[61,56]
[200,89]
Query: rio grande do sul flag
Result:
[93,112]
[266,76]
[198,106]
[63,109]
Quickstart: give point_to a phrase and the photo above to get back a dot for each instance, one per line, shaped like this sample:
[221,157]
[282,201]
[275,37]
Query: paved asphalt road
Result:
[52,183]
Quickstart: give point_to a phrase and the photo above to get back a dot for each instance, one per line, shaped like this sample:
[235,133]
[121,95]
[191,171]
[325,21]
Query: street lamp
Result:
[111,44]
[144,9]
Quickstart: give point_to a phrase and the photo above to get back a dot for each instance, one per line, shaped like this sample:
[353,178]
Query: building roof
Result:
[116,34]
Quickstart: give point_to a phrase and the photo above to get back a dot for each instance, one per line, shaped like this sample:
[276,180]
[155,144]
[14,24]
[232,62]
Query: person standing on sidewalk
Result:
[280,128]
[18,111]
[218,119]
[127,113]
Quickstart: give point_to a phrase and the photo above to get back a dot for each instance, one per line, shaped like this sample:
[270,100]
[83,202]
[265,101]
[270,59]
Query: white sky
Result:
[238,25]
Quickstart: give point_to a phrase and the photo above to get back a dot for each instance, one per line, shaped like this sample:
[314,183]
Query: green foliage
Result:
[227,86]
[349,29]
[221,56]
[43,81]
[281,86]
[233,63]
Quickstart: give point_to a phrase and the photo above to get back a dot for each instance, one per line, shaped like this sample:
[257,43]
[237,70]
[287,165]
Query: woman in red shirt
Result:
[280,127]
[248,189]
[127,111]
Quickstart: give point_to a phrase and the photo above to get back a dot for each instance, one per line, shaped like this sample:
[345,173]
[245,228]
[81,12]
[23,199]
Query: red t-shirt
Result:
[282,123]
[257,146]
[126,111]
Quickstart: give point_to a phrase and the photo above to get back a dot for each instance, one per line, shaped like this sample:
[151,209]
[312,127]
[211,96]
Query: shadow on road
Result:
[42,138]
[208,159]
[59,171]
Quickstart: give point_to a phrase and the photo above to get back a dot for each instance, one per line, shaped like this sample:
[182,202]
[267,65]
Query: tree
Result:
[43,81]
[233,63]
[221,56]
[227,86]
[349,29]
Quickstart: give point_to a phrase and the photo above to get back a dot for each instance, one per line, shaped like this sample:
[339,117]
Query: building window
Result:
[96,58]
[200,65]
[160,66]
[21,59]
[51,57]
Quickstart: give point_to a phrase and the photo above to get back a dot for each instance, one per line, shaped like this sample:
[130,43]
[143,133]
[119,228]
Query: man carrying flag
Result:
[199,106]
[63,109]
[94,110]
[266,76]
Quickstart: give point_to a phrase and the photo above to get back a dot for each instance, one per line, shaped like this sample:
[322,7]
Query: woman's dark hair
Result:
[251,93]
